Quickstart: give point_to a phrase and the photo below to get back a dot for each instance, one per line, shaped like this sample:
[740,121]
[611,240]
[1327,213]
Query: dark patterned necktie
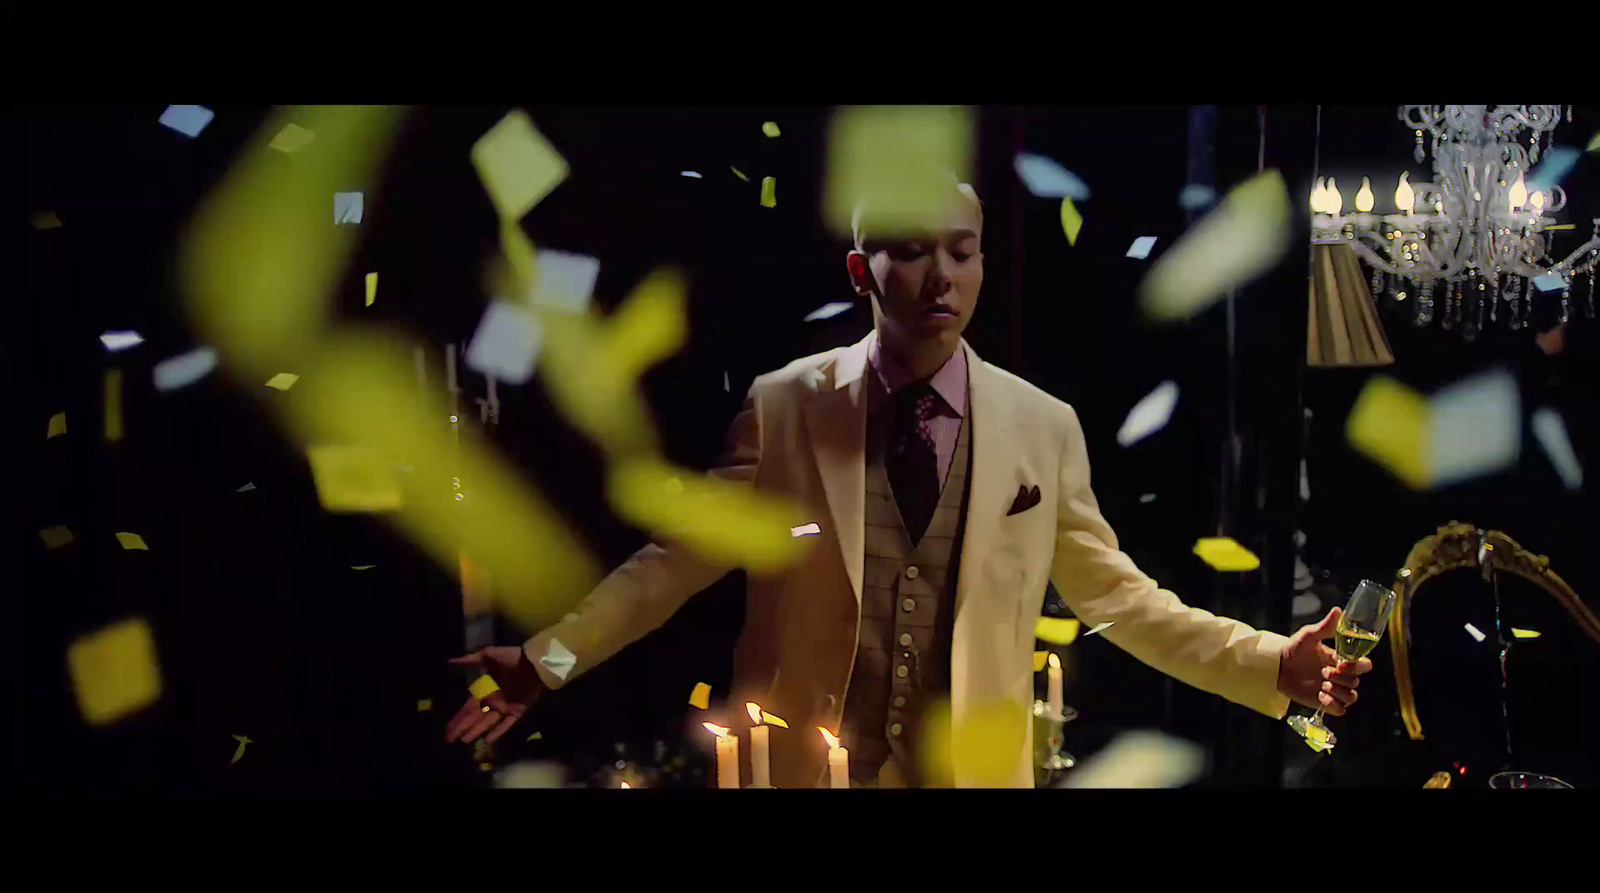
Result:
[913,462]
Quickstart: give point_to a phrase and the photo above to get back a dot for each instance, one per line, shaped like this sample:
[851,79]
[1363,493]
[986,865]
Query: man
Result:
[947,493]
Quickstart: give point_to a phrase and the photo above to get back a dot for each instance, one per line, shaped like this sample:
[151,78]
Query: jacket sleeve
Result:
[1103,585]
[649,587]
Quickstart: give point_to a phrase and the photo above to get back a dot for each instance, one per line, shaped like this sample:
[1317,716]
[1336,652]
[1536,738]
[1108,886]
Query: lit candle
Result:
[626,786]
[727,756]
[760,758]
[838,761]
[1057,700]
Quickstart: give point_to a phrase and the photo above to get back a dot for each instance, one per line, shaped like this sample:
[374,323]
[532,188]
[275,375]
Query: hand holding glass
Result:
[1360,628]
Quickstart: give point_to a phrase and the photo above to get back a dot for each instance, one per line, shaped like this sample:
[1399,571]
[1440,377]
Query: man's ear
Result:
[860,273]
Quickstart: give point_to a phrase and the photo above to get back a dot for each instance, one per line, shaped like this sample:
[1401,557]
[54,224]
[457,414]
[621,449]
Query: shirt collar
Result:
[950,382]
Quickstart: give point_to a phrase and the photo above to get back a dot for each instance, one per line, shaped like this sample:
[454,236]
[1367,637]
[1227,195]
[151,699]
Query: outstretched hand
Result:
[498,711]
[1311,674]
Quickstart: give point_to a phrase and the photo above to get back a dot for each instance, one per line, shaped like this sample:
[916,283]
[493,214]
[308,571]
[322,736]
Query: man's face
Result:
[924,285]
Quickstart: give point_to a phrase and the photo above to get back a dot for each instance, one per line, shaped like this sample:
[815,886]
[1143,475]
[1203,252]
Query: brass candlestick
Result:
[1049,760]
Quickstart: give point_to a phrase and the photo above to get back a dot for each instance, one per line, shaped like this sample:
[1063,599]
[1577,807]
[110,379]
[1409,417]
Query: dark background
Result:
[264,630]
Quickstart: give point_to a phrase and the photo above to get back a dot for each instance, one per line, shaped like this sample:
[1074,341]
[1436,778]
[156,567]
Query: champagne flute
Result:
[1360,628]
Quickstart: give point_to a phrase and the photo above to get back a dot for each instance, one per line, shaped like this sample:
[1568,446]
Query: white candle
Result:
[727,756]
[838,761]
[1057,699]
[760,756]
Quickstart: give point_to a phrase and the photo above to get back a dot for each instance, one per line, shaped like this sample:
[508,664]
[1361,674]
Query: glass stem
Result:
[1317,720]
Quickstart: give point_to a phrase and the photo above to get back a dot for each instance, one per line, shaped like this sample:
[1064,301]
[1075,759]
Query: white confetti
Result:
[1552,169]
[1552,436]
[506,344]
[1148,497]
[565,281]
[558,660]
[1141,247]
[828,311]
[1476,427]
[115,341]
[1195,197]
[530,776]
[246,488]
[805,530]
[188,120]
[1242,238]
[1141,759]
[1473,630]
[347,207]
[1046,179]
[1100,627]
[184,369]
[1551,281]
[726,385]
[694,174]
[1149,415]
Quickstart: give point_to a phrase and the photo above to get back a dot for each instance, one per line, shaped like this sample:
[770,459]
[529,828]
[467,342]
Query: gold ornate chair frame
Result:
[1458,545]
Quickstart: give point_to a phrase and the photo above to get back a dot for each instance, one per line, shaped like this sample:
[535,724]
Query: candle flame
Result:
[719,731]
[832,739]
[626,785]
[1055,662]
[754,710]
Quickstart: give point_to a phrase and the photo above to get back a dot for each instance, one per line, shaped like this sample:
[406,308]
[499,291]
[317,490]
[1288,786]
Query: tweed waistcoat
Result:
[902,663]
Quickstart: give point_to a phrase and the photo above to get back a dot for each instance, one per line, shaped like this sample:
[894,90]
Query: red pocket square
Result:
[1027,498]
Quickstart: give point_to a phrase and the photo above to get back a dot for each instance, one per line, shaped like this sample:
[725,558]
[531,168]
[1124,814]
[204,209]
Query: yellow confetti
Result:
[721,521]
[1039,658]
[46,220]
[772,720]
[1241,238]
[1524,633]
[424,705]
[292,138]
[1594,143]
[770,128]
[1317,734]
[981,751]
[1224,554]
[1391,425]
[132,541]
[239,752]
[517,165]
[1071,221]
[354,479]
[114,671]
[1562,226]
[769,192]
[283,381]
[58,425]
[701,696]
[483,686]
[55,537]
[362,567]
[898,161]
[372,288]
[738,173]
[113,398]
[1056,630]
[536,736]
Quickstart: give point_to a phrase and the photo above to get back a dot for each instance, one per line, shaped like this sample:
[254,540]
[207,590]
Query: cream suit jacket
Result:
[801,433]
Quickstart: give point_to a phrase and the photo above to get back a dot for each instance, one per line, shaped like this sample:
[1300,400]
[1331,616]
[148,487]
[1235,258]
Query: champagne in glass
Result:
[1360,629]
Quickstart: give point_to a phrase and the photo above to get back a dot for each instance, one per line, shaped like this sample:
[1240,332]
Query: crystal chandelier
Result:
[1482,236]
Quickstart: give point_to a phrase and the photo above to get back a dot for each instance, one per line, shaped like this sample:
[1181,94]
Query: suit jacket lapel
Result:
[836,420]
[994,458]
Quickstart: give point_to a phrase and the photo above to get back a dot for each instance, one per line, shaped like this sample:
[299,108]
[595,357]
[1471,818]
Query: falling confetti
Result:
[770,128]
[701,696]
[46,220]
[424,705]
[979,749]
[353,478]
[114,671]
[116,341]
[1238,241]
[738,173]
[565,281]
[372,288]
[283,381]
[1594,143]
[1071,221]
[806,530]
[483,686]
[238,753]
[558,659]
[113,407]
[1147,497]
[518,165]
[1551,281]
[1149,415]
[132,541]
[769,192]
[1046,179]
[1552,169]
[188,120]
[362,567]
[1525,633]
[727,386]
[506,344]
[828,311]
[291,139]
[1039,660]
[536,736]
[1057,630]
[1475,633]
[897,161]
[1141,759]
[1476,428]
[1552,436]
[530,776]
[773,720]
[55,537]
[694,174]
[722,521]
[58,425]
[1141,246]
[1099,627]
[1195,197]
[185,369]
[1390,425]
[1226,555]
[348,207]
[246,488]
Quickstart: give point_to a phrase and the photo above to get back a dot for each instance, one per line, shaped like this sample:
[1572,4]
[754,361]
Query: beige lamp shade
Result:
[1343,327]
